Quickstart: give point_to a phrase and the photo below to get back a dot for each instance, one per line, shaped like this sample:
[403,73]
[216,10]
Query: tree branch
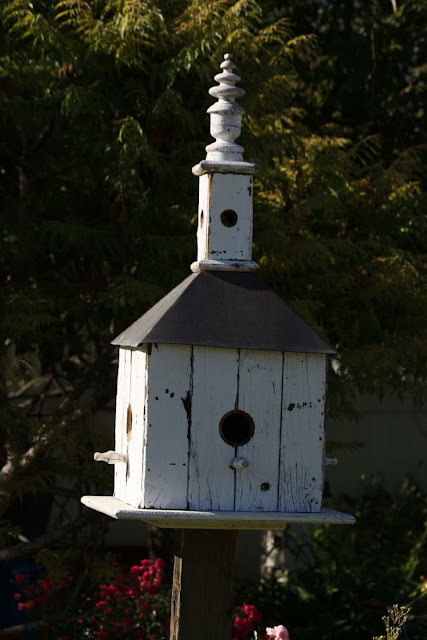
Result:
[43,541]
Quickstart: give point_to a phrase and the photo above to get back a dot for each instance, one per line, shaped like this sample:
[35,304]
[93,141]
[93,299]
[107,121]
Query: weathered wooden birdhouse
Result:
[221,386]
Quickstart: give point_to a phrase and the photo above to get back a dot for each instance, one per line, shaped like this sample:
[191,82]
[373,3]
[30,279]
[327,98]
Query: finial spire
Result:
[226,115]
[224,230]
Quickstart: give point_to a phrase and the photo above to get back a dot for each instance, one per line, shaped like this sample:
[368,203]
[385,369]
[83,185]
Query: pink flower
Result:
[277,633]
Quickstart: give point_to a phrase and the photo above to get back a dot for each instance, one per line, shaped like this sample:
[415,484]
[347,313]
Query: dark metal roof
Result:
[224,309]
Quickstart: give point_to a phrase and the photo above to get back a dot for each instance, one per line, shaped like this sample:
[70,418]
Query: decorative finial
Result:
[226,115]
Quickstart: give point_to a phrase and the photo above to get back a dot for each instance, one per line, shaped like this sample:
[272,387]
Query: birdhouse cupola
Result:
[224,233]
[221,386]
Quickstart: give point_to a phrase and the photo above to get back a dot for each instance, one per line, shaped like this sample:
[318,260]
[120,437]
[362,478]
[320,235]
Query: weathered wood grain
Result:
[303,437]
[181,519]
[122,402]
[202,592]
[260,395]
[135,426]
[167,424]
[220,192]
[215,385]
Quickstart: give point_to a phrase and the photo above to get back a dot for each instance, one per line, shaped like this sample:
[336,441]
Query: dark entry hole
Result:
[236,428]
[229,218]
[265,486]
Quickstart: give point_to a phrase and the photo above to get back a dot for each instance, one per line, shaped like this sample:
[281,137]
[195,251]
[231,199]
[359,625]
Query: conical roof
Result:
[224,309]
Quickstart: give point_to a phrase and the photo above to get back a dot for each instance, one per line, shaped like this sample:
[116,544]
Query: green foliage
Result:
[103,114]
[347,577]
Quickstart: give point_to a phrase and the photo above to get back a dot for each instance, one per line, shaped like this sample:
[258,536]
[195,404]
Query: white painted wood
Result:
[218,193]
[260,395]
[136,439]
[203,217]
[207,166]
[226,114]
[212,519]
[122,402]
[166,446]
[215,385]
[303,436]
[224,265]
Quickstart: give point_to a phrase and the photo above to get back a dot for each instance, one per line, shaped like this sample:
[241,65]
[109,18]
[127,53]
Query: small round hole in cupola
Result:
[229,218]
[236,428]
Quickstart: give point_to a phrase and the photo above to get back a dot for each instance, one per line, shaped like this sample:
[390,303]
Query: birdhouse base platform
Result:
[181,519]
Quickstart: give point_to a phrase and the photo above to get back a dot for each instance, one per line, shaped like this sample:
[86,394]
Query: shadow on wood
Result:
[202,592]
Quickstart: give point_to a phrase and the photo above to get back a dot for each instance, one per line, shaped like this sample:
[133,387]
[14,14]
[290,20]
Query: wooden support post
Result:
[202,589]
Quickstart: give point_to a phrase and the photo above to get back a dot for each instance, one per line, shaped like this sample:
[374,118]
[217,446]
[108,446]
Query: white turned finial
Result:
[226,115]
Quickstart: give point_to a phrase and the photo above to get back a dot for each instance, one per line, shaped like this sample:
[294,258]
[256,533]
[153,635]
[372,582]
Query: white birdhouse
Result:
[221,386]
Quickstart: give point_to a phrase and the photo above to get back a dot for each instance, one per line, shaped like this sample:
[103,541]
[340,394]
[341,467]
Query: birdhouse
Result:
[221,386]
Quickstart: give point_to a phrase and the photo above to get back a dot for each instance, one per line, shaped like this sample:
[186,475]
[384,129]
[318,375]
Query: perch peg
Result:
[111,457]
[239,463]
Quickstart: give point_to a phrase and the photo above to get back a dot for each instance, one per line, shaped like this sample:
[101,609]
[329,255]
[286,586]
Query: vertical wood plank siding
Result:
[134,431]
[211,482]
[122,402]
[167,423]
[260,394]
[176,456]
[303,436]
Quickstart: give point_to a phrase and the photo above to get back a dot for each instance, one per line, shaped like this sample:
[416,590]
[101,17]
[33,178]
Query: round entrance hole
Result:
[229,218]
[236,428]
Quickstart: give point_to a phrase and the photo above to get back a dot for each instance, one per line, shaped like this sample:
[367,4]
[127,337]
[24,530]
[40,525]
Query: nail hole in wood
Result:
[229,218]
[129,423]
[236,428]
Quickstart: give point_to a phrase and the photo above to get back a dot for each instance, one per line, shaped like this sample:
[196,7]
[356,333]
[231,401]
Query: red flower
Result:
[111,589]
[20,578]
[246,617]
[46,585]
[100,604]
[135,570]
